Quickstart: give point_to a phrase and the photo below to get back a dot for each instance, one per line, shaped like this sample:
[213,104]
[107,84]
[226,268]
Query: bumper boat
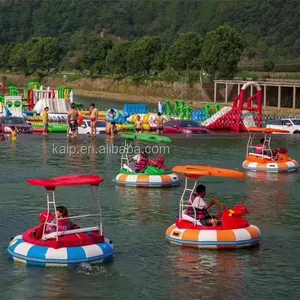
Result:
[232,231]
[64,244]
[152,175]
[263,159]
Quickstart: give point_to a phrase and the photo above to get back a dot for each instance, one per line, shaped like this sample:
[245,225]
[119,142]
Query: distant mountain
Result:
[270,28]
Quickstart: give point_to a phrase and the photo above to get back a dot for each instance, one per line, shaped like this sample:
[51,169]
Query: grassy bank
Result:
[127,89]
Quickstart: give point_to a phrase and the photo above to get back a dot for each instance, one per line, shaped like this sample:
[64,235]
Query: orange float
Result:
[233,230]
[262,158]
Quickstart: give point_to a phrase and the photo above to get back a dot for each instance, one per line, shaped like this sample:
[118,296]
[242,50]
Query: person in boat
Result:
[141,161]
[198,205]
[63,225]
[263,148]
[160,163]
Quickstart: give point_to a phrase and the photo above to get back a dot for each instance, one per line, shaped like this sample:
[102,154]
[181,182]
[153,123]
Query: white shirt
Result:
[198,202]
[137,157]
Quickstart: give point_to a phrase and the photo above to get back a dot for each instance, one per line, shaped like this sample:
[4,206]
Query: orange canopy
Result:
[198,171]
[267,130]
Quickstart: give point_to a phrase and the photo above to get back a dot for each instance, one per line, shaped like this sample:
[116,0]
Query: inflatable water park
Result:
[30,103]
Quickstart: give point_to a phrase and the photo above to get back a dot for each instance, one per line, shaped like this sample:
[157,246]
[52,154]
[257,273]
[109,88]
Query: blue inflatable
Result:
[7,112]
[109,118]
[132,109]
[198,116]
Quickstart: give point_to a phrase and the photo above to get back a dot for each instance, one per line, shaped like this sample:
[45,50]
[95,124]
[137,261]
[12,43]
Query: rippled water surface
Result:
[145,266]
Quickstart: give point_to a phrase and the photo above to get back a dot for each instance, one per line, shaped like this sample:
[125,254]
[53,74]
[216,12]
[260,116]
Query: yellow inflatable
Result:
[146,127]
[144,117]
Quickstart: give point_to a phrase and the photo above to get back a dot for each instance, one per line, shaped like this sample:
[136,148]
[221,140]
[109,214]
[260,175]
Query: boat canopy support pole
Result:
[124,155]
[94,191]
[250,146]
[267,144]
[186,195]
[50,200]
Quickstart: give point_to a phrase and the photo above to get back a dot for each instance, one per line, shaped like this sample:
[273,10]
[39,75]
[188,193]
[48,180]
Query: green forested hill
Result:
[270,28]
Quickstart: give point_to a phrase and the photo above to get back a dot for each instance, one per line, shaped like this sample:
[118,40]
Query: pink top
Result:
[259,149]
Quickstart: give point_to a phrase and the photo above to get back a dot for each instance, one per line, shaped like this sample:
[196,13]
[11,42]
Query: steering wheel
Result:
[219,213]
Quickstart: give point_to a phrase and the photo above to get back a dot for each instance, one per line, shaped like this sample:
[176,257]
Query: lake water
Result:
[145,265]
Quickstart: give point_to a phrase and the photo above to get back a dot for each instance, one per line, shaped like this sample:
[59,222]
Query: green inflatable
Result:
[53,128]
[151,138]
[150,170]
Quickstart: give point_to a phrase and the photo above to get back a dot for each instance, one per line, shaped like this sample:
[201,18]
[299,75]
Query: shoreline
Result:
[153,100]
[132,98]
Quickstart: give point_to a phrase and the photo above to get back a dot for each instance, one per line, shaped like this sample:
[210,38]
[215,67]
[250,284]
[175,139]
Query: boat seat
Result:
[260,155]
[53,235]
[128,168]
[190,219]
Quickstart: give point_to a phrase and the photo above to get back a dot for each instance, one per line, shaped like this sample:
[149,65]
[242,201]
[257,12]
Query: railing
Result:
[266,149]
[71,231]
[56,233]
[185,216]
[183,201]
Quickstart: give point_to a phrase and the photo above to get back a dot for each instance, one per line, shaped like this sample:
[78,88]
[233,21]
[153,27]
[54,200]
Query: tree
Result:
[221,52]
[117,58]
[142,54]
[268,66]
[159,63]
[95,53]
[184,53]
[5,52]
[45,53]
[18,56]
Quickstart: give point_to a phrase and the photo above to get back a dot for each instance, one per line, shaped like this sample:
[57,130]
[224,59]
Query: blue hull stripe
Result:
[18,242]
[75,253]
[31,260]
[106,249]
[38,252]
[212,243]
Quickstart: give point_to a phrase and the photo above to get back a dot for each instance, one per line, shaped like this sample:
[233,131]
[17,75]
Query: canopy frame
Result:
[266,146]
[192,174]
[50,186]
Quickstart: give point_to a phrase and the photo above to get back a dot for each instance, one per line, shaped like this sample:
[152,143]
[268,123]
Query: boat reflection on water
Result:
[269,195]
[149,205]
[58,285]
[273,177]
[54,283]
[206,274]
